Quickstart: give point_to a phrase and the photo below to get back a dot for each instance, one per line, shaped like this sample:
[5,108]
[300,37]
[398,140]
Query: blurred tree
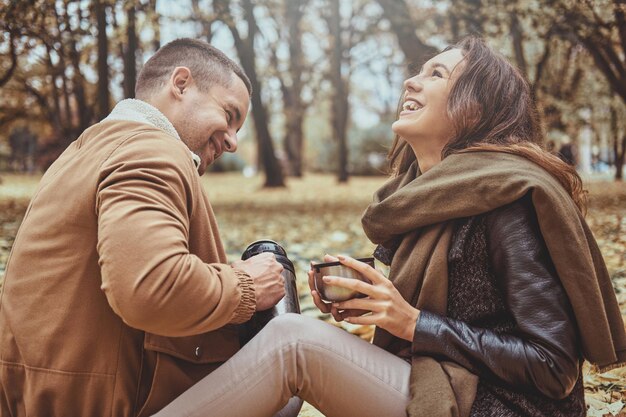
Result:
[618,138]
[153,19]
[245,49]
[205,20]
[130,51]
[402,24]
[23,145]
[340,103]
[9,36]
[601,27]
[292,79]
[103,54]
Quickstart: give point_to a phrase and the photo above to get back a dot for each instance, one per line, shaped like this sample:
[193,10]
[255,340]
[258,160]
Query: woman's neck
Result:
[426,159]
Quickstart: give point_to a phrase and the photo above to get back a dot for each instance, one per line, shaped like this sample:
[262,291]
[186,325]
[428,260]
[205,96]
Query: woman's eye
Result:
[437,73]
[229,116]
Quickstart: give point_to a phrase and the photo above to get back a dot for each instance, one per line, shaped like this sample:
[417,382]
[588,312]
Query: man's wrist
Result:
[247,303]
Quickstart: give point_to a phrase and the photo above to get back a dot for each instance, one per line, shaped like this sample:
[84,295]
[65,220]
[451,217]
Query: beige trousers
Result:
[338,373]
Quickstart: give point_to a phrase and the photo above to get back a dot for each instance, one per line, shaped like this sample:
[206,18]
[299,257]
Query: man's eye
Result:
[229,116]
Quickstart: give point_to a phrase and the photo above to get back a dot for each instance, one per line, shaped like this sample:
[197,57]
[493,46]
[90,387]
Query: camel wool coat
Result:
[116,297]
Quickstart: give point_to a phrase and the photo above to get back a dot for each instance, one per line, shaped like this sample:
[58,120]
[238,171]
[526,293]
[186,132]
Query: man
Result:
[117,297]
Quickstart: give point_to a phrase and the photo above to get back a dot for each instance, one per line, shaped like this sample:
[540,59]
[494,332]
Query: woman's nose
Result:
[230,142]
[413,83]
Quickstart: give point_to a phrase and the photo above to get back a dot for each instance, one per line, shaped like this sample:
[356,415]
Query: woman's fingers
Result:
[361,304]
[353,284]
[370,273]
[311,279]
[338,316]
[321,305]
[330,258]
[364,320]
[353,313]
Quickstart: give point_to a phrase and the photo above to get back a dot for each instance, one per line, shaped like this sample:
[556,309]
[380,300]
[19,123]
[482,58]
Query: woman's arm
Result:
[543,352]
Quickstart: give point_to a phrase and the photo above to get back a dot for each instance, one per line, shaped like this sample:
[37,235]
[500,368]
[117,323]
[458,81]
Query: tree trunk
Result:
[397,12]
[292,96]
[12,52]
[619,158]
[620,154]
[206,24]
[340,96]
[606,46]
[518,44]
[103,68]
[245,49]
[130,64]
[156,25]
[85,108]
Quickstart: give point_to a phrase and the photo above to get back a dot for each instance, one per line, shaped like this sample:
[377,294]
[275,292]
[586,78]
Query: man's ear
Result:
[180,81]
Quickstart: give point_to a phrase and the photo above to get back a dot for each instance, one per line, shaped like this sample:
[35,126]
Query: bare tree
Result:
[292,79]
[103,67]
[602,33]
[340,103]
[245,49]
[619,144]
[398,14]
[12,57]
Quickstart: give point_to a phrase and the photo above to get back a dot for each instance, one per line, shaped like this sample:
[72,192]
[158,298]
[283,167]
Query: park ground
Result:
[315,215]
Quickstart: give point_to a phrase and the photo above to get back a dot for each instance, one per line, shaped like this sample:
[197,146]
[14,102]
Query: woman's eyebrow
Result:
[436,65]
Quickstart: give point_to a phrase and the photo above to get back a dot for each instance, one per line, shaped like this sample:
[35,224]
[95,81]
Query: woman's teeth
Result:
[410,105]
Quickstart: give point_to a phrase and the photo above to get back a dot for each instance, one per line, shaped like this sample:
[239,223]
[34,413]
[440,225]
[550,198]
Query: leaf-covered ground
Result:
[315,215]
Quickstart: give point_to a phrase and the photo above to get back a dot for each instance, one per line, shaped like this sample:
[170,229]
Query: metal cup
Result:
[334,292]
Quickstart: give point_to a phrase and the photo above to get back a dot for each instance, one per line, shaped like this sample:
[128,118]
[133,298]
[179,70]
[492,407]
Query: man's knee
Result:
[289,323]
[291,328]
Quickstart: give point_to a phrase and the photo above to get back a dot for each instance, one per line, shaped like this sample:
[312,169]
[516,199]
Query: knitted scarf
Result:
[410,219]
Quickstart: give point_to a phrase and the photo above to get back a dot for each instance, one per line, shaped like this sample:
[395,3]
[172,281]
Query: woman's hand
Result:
[317,299]
[389,310]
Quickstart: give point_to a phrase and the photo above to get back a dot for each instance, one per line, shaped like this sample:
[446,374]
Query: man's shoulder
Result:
[135,141]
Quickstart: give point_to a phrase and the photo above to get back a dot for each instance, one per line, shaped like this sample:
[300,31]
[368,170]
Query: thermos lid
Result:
[267,245]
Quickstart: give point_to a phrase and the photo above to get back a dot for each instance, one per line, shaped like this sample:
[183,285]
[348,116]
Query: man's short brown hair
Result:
[208,66]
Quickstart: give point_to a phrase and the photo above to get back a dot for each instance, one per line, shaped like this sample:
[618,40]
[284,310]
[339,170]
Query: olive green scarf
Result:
[411,215]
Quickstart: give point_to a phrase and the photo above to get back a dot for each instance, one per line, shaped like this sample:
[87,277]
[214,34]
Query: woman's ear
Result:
[180,81]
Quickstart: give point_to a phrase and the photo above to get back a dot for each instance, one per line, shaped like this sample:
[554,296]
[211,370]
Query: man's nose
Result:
[230,142]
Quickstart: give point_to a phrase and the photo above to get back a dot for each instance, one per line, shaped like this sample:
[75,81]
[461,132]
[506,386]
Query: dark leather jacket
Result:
[542,351]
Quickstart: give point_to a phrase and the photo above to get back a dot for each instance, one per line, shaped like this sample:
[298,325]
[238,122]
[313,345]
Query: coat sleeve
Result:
[144,202]
[542,352]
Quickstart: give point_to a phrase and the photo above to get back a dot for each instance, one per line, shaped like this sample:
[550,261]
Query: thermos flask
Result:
[288,304]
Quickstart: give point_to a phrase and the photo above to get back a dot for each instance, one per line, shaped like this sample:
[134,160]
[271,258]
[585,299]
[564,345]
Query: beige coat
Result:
[116,296]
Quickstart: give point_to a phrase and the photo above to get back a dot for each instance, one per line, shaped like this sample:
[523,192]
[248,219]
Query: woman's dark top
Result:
[509,320]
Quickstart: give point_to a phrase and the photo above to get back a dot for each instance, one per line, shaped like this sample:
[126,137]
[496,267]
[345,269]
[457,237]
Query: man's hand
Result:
[269,284]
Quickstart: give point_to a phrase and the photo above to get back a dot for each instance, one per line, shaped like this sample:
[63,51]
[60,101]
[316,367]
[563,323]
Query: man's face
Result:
[208,122]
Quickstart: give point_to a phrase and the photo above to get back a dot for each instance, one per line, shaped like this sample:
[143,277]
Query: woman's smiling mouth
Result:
[410,106]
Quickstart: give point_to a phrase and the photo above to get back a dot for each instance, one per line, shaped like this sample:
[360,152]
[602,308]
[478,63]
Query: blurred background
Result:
[327,76]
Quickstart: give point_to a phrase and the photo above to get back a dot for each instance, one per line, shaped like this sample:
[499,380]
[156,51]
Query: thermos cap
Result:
[267,245]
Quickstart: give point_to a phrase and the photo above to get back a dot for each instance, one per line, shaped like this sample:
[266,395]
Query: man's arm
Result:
[144,202]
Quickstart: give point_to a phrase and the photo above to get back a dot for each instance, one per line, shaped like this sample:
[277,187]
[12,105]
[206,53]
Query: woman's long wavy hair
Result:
[492,109]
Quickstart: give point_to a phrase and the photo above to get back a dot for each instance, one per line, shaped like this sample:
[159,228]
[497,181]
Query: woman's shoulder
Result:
[519,209]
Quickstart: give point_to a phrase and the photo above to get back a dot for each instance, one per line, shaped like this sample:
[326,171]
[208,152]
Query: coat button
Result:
[198,351]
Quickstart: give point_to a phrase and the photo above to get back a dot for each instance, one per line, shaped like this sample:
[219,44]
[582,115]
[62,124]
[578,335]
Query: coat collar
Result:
[139,111]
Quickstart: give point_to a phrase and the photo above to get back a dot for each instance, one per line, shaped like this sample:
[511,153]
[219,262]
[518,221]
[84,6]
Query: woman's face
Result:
[424,122]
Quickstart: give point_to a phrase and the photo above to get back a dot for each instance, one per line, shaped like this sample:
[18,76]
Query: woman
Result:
[496,292]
